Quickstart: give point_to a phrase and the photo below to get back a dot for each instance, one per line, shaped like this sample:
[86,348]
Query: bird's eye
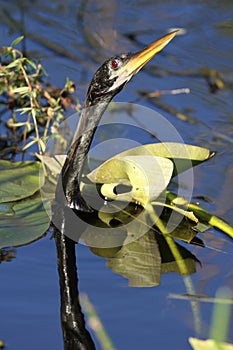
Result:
[114,64]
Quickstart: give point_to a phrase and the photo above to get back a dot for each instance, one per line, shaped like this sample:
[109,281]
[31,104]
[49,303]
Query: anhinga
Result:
[108,81]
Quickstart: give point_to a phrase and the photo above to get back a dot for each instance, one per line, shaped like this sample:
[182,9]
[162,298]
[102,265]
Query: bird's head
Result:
[111,77]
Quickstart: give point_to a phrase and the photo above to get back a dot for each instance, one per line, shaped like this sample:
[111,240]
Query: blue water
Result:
[135,318]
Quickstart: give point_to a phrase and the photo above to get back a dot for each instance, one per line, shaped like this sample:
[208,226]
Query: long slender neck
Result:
[68,195]
[75,334]
[72,168]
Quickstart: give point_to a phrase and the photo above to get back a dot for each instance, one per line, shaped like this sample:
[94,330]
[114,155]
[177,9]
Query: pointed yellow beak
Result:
[138,60]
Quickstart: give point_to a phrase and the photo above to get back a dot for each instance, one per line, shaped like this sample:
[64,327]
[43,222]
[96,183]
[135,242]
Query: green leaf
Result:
[52,163]
[19,180]
[25,222]
[24,110]
[209,344]
[13,64]
[29,144]
[182,155]
[17,40]
[146,169]
[17,125]
[30,63]
[183,232]
[201,227]
[202,214]
[188,214]
[21,90]
[148,176]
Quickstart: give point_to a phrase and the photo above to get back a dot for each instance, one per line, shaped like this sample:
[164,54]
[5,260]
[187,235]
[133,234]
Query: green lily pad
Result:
[22,222]
[19,180]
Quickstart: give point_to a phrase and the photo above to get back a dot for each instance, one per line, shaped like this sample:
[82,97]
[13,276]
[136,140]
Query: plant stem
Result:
[172,245]
[181,264]
[202,214]
[34,104]
[221,316]
[96,324]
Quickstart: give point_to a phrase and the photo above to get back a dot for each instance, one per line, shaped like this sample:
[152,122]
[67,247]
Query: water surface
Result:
[73,38]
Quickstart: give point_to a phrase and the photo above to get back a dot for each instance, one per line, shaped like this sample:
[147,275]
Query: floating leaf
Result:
[24,222]
[148,176]
[19,180]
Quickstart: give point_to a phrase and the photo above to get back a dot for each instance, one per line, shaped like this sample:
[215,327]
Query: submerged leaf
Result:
[19,180]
